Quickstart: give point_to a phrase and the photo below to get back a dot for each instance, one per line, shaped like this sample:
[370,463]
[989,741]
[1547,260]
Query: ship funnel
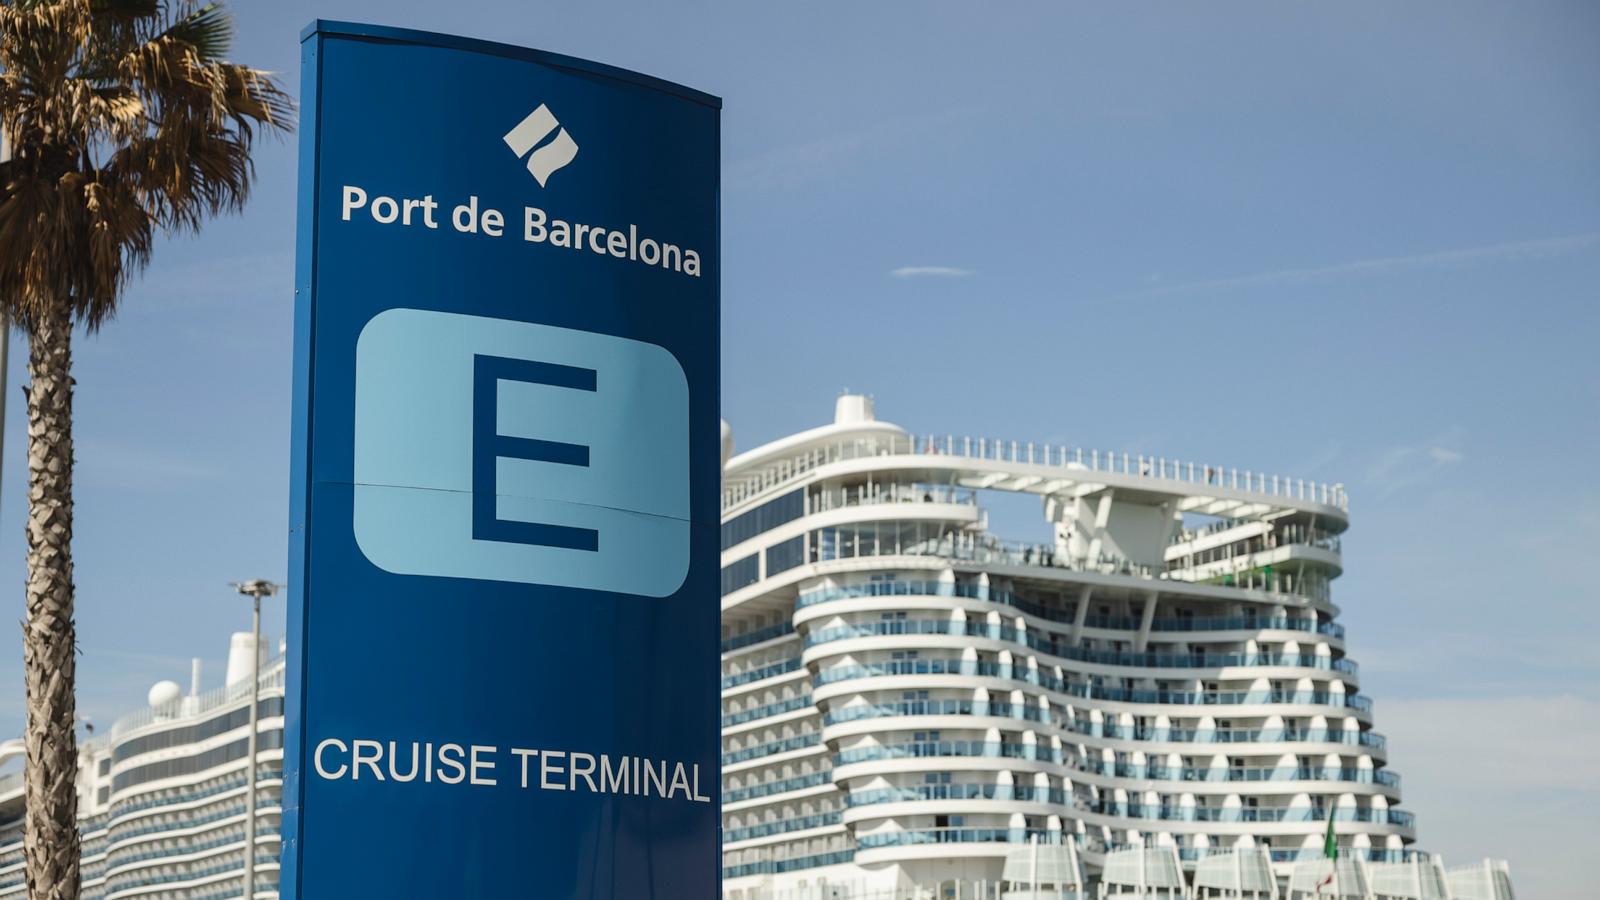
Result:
[852,408]
[242,659]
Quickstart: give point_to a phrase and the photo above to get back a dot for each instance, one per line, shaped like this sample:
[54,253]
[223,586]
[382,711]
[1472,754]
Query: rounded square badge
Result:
[510,451]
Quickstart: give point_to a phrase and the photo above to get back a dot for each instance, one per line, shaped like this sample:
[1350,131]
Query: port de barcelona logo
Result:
[554,154]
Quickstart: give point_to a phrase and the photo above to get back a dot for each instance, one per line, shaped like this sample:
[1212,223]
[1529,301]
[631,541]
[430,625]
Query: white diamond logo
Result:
[530,132]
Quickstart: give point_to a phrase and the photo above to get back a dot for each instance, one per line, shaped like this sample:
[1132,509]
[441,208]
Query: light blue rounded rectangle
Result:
[610,464]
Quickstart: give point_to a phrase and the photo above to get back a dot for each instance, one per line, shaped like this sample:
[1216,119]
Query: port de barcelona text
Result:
[538,227]
[477,765]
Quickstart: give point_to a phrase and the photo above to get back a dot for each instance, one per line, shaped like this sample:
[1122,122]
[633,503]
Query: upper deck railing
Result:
[741,486]
[271,676]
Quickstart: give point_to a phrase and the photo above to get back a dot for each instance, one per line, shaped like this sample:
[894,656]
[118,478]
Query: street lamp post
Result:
[255,590]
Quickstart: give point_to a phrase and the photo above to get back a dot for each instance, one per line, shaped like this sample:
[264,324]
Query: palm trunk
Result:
[49,635]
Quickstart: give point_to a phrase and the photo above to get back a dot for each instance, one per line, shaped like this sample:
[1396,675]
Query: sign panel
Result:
[503,676]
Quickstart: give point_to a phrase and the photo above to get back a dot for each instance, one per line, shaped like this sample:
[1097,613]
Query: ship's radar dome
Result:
[163,693]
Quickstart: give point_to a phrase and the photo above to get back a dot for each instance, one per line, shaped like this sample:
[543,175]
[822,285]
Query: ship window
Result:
[784,556]
[736,575]
[763,518]
[188,765]
[204,730]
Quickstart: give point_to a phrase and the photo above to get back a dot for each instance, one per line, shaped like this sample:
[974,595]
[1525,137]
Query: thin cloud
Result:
[931,272]
[1404,465]
[1511,251]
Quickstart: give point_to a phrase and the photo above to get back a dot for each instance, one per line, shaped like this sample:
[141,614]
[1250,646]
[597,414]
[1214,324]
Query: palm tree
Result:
[124,120]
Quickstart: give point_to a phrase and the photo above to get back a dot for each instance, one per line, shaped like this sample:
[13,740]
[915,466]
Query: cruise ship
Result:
[1155,700]
[161,798]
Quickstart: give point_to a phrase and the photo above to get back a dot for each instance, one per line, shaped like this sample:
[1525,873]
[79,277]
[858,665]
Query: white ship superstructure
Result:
[909,700]
[162,798]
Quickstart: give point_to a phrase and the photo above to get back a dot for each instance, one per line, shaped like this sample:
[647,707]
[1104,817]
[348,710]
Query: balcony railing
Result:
[1159,772]
[771,670]
[864,541]
[1351,737]
[1142,771]
[789,864]
[758,636]
[1367,854]
[825,499]
[1180,813]
[122,883]
[772,748]
[955,836]
[1172,812]
[783,826]
[940,749]
[187,822]
[271,678]
[755,791]
[936,708]
[188,850]
[762,712]
[1063,614]
[920,792]
[1076,460]
[1047,681]
[1060,648]
[127,808]
[1273,537]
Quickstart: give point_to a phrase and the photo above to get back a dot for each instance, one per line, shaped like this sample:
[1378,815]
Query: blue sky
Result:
[1355,242]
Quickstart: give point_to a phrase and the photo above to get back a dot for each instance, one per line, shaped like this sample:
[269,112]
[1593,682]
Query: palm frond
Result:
[208,29]
[125,120]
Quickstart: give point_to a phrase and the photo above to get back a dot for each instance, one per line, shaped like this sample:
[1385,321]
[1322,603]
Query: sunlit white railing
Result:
[271,676]
[741,486]
[851,542]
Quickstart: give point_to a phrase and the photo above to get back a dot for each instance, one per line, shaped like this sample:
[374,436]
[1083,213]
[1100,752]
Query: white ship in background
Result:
[1158,701]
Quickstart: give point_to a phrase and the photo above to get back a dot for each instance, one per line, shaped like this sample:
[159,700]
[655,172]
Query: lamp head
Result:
[258,588]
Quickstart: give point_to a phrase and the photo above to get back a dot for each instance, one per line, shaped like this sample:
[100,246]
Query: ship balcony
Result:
[958,673]
[892,843]
[835,600]
[1052,650]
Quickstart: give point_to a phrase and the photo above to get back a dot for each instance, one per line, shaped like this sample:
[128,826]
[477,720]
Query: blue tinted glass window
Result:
[765,517]
[785,556]
[736,575]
